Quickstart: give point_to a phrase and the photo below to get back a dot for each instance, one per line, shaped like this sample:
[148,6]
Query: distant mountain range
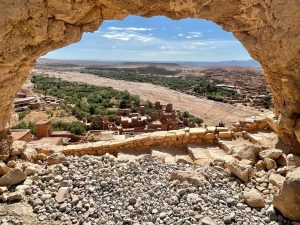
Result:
[233,63]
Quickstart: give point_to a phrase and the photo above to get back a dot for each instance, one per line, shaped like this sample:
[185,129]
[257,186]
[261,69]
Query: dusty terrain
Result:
[53,113]
[210,111]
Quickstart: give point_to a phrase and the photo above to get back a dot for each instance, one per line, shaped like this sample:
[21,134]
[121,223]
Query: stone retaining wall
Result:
[165,139]
[176,138]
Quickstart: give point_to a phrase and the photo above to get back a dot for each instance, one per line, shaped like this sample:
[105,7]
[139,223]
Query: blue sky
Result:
[155,39]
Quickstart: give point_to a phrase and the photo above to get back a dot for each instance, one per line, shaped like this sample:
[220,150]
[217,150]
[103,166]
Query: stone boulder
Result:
[3,190]
[276,179]
[242,171]
[260,165]
[62,194]
[29,154]
[270,164]
[254,198]
[30,170]
[13,177]
[18,147]
[287,201]
[56,158]
[270,153]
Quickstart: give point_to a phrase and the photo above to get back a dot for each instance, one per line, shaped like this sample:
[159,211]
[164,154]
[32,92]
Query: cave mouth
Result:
[184,44]
[156,39]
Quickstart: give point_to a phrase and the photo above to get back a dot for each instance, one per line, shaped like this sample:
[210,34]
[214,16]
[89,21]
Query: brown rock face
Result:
[269,30]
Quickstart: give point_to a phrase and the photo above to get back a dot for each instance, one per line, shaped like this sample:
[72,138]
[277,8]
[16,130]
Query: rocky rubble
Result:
[104,190]
[226,181]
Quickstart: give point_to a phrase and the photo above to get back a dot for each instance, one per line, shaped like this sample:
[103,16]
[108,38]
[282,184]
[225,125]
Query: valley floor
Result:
[210,111]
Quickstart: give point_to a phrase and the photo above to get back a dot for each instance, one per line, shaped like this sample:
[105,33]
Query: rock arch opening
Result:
[269,31]
[155,39]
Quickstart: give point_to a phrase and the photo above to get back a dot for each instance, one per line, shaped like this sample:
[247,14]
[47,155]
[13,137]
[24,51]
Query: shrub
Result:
[24,125]
[75,127]
[197,121]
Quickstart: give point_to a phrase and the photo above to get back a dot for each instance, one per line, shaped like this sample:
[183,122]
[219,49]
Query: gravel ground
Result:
[102,190]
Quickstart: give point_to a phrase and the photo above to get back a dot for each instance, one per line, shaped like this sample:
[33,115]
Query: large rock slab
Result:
[242,171]
[249,152]
[200,154]
[13,177]
[205,154]
[165,156]
[287,201]
[271,153]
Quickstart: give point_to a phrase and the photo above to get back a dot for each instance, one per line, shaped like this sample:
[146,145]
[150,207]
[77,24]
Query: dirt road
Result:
[210,111]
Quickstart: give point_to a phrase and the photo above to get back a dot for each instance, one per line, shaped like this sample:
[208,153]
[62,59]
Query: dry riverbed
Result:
[210,111]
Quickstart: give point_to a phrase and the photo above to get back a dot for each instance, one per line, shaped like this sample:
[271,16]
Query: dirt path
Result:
[210,111]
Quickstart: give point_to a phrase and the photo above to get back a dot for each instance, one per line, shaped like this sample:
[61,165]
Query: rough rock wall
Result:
[268,29]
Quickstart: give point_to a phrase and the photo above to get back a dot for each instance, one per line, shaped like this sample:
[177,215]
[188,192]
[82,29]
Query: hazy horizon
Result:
[149,61]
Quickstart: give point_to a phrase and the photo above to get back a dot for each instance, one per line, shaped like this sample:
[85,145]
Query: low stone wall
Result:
[165,139]
[144,142]
[176,138]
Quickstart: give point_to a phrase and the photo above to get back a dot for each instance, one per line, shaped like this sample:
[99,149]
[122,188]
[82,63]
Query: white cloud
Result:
[127,36]
[130,29]
[191,35]
[194,45]
[196,33]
